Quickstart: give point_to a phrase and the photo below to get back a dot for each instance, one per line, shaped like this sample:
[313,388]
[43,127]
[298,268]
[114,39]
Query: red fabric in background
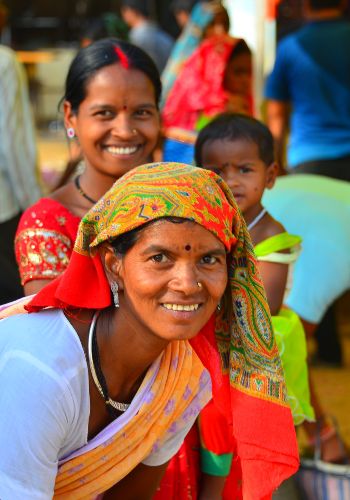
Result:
[182,478]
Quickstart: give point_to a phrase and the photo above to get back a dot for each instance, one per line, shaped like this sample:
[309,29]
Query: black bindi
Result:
[188,248]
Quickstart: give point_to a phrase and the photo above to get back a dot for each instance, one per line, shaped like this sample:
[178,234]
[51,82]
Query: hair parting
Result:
[122,57]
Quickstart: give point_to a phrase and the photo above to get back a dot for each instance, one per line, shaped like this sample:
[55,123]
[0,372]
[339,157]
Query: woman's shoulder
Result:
[44,339]
[48,213]
[44,240]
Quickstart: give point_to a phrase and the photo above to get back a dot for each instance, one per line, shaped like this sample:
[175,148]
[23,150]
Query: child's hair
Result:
[232,127]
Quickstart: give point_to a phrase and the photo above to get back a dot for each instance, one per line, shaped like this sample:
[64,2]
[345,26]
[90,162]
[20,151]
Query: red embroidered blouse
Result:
[44,240]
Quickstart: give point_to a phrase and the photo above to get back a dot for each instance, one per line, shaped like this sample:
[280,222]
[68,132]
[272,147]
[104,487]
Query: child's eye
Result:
[244,170]
[216,170]
[159,258]
[209,259]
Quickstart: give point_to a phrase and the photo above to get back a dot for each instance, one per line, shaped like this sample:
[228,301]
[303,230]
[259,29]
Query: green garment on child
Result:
[289,331]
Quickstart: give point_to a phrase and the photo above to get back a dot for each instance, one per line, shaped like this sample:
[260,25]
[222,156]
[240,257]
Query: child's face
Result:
[239,164]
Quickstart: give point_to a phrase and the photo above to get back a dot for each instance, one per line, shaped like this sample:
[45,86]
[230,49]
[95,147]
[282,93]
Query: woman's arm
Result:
[33,425]
[34,286]
[277,120]
[141,482]
[43,244]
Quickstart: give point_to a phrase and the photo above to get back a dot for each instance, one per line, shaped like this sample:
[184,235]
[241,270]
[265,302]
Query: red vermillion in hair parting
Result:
[123,59]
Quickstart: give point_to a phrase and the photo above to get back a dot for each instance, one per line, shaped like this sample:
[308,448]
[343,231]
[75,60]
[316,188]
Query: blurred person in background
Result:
[19,184]
[200,93]
[205,19]
[108,25]
[182,11]
[313,96]
[145,33]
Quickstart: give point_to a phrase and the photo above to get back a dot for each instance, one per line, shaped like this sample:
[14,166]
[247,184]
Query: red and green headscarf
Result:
[237,345]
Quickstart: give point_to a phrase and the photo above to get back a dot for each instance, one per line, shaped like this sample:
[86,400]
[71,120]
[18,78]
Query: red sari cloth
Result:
[199,87]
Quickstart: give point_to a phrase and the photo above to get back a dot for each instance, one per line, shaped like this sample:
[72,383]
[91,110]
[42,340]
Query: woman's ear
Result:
[271,174]
[70,119]
[112,264]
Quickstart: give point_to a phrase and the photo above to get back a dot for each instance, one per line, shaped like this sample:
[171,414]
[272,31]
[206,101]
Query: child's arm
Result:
[216,452]
[274,277]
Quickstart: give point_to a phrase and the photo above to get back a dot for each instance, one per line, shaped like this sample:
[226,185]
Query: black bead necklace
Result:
[78,186]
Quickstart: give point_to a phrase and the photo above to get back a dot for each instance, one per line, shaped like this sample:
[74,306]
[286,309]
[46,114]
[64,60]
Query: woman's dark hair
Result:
[240,48]
[232,127]
[123,243]
[92,58]
[325,4]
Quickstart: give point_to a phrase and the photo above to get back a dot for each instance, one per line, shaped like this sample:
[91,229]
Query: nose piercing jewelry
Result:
[70,132]
[199,284]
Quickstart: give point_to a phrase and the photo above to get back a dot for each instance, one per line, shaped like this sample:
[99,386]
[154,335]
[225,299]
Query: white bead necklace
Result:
[257,219]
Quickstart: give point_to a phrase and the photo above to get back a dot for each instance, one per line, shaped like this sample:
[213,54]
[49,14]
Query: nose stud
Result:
[199,284]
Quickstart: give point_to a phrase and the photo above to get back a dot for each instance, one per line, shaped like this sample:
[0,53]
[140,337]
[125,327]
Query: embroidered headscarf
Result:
[237,345]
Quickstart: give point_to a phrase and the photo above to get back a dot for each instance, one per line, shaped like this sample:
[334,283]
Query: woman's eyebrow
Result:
[161,248]
[155,249]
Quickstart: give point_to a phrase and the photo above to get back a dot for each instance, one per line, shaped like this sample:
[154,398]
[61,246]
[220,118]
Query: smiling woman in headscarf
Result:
[96,398]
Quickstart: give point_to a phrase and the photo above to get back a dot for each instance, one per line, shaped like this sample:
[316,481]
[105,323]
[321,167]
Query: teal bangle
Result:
[215,465]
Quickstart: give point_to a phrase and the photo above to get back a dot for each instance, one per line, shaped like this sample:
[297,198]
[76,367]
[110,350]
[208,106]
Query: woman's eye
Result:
[209,259]
[159,258]
[104,113]
[143,112]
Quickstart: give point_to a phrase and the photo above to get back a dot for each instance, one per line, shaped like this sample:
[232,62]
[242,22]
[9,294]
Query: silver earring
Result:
[134,131]
[70,133]
[218,307]
[114,289]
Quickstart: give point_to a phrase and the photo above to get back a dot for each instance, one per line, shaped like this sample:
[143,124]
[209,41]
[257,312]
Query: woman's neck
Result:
[95,184]
[126,353]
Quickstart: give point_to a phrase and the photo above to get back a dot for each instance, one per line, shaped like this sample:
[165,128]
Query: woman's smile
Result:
[172,279]
[117,123]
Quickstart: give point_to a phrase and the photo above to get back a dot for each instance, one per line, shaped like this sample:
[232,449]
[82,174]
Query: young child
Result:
[240,149]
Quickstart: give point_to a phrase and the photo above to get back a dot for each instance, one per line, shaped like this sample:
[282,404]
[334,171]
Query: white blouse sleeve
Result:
[34,420]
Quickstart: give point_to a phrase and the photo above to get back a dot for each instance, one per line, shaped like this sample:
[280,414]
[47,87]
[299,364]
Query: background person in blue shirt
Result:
[309,90]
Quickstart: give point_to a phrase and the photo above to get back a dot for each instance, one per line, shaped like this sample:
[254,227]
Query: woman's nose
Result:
[123,127]
[185,279]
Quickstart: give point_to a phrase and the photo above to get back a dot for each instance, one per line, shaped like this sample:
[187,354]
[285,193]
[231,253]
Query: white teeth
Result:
[181,307]
[122,151]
